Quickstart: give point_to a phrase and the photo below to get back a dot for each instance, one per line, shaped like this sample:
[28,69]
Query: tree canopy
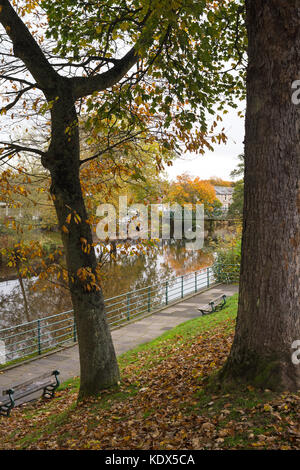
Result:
[127,61]
[187,190]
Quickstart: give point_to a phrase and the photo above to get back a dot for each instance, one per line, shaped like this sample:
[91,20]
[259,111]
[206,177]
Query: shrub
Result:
[227,265]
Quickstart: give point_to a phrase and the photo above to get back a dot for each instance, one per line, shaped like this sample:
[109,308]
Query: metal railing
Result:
[39,336]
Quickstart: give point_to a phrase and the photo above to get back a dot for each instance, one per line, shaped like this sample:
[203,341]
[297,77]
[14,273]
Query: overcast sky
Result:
[220,162]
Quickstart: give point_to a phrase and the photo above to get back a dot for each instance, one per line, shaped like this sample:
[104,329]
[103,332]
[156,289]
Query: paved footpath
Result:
[125,338]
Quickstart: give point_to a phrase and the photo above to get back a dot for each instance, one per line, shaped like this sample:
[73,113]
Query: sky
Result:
[218,163]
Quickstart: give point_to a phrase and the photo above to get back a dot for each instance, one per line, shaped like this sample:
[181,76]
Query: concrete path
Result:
[125,338]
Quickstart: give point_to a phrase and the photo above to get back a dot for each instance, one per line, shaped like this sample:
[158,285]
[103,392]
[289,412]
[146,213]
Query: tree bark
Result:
[98,364]
[269,302]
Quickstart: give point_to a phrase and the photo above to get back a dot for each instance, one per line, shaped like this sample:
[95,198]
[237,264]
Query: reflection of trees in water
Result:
[42,303]
[132,273]
[182,261]
[168,261]
[23,340]
[145,277]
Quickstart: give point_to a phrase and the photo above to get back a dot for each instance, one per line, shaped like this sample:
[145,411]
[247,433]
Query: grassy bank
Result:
[163,403]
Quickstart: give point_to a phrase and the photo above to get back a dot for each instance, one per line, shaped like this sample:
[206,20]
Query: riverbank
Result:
[163,403]
[125,338]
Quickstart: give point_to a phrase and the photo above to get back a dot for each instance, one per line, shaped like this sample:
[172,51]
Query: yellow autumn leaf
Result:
[77,218]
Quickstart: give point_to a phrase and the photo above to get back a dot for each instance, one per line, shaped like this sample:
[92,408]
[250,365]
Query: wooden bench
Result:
[11,397]
[214,305]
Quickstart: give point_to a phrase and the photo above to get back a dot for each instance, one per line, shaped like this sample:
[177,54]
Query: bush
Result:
[227,265]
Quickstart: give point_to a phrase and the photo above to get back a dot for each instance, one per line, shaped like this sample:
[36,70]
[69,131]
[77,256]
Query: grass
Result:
[181,334]
[162,402]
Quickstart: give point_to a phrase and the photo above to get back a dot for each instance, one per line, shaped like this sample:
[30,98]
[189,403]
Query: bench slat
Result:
[215,305]
[47,382]
[21,385]
[31,389]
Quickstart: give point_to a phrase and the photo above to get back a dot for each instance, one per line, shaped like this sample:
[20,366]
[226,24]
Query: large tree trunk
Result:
[269,304]
[98,364]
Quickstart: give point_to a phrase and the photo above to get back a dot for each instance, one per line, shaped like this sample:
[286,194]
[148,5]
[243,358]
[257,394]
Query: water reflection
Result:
[44,302]
[167,261]
[131,273]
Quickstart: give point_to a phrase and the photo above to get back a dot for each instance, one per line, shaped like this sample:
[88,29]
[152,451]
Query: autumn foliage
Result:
[163,403]
[187,190]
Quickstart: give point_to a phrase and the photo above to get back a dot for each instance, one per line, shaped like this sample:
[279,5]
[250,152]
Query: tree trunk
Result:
[269,303]
[24,295]
[98,364]
[211,228]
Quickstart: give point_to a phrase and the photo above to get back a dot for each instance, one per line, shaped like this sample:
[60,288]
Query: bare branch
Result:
[111,147]
[84,86]
[19,148]
[25,46]
[18,97]
[20,80]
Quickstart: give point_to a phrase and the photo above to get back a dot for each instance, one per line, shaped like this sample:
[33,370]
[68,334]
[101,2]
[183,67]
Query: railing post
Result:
[128,306]
[182,286]
[39,337]
[74,331]
[207,271]
[2,352]
[167,300]
[149,299]
[196,287]
[218,273]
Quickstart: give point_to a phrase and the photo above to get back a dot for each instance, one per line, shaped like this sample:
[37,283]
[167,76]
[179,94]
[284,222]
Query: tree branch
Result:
[18,97]
[110,147]
[26,48]
[84,86]
[19,80]
[21,148]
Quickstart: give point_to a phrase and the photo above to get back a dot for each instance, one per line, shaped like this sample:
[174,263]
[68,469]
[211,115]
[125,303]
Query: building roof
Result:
[223,190]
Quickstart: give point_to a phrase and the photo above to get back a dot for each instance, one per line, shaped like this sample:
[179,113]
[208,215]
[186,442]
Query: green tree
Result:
[240,169]
[236,207]
[122,62]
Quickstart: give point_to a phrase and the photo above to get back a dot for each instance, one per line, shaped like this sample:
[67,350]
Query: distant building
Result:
[224,194]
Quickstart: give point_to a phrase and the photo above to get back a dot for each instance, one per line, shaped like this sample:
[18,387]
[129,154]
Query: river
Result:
[167,261]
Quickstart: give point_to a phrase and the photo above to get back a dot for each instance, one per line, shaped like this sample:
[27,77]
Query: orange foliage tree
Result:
[187,190]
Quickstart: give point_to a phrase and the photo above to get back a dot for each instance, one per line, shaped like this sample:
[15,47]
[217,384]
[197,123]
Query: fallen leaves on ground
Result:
[162,403]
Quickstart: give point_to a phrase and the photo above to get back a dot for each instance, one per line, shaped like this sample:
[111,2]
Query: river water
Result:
[166,261]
